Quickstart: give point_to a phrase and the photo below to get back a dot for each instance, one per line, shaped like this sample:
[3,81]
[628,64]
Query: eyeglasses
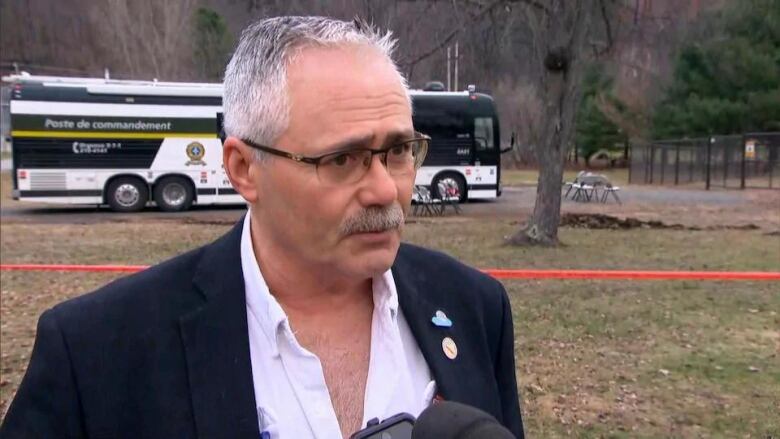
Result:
[349,166]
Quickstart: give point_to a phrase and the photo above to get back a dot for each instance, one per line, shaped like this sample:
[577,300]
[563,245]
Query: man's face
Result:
[340,97]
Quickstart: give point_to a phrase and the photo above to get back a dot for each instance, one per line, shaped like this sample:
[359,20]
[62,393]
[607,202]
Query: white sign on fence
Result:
[750,149]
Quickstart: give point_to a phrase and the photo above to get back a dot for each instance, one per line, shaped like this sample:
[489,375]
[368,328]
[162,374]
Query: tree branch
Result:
[487,8]
[536,4]
[607,27]
[450,36]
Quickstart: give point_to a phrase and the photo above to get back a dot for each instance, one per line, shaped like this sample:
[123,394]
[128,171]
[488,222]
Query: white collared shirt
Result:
[291,396]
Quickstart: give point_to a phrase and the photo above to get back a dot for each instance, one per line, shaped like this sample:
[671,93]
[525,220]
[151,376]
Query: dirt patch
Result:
[602,221]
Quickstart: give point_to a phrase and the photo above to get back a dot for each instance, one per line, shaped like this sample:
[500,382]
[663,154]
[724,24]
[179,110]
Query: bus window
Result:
[483,133]
[440,124]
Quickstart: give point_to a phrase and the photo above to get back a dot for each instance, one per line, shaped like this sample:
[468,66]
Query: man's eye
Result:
[339,159]
[400,149]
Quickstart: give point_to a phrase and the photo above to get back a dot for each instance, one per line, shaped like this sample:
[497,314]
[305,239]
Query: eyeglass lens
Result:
[350,166]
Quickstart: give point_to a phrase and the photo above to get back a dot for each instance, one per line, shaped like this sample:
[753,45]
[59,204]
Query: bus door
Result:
[485,144]
[486,154]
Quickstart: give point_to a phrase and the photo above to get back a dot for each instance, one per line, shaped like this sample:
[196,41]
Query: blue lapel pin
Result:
[441,320]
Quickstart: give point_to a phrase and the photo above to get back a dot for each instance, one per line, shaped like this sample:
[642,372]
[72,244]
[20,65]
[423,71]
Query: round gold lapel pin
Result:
[449,347]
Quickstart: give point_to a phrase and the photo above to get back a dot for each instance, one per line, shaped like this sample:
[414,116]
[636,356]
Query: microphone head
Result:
[453,420]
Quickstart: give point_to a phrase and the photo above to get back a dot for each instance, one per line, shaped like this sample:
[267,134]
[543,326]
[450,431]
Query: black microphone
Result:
[453,420]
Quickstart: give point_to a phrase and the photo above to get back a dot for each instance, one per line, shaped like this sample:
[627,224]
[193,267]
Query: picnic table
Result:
[428,205]
[590,187]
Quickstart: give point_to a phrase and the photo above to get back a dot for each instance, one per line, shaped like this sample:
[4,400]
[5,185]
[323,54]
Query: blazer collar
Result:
[216,345]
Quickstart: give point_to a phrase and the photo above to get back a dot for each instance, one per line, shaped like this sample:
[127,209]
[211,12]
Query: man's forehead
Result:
[342,69]
[339,93]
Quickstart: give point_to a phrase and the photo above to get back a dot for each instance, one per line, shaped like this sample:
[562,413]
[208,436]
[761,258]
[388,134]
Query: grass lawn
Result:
[529,177]
[595,358]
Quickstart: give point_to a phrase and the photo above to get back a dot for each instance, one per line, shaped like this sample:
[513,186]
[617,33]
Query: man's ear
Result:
[238,159]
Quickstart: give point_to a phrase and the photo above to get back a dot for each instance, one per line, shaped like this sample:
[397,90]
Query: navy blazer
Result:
[164,353]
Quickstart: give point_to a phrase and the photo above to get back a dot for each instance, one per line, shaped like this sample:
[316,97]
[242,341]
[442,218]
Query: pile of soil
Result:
[601,221]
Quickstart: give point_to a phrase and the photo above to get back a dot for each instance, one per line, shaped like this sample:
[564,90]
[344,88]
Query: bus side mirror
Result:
[511,144]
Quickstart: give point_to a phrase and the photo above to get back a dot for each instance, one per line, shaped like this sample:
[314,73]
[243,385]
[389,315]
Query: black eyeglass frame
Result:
[317,159]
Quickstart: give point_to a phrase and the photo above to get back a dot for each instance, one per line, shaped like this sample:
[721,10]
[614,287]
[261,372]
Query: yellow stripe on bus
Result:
[108,134]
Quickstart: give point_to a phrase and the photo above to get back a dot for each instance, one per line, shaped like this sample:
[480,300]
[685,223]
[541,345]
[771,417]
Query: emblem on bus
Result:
[195,151]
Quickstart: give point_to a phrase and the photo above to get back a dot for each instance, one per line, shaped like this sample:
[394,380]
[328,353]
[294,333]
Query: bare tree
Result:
[520,108]
[565,34]
[47,37]
[148,36]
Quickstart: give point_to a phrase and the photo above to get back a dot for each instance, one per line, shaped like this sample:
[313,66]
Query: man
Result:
[309,318]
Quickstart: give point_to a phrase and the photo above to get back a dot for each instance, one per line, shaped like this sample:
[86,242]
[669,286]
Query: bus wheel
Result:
[127,194]
[450,180]
[173,194]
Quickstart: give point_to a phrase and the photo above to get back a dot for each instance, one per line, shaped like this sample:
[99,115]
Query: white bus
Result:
[127,144]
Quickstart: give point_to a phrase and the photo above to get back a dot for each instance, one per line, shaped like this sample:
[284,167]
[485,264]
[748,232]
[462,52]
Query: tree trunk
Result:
[542,228]
[560,42]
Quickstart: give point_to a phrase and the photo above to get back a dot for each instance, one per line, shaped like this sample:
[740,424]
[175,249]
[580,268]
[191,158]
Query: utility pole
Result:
[449,84]
[456,66]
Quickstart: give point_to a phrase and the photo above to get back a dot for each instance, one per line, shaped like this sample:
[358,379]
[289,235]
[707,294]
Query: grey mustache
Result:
[374,219]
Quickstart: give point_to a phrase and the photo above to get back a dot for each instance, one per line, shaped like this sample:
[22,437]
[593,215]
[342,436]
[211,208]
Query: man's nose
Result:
[378,187]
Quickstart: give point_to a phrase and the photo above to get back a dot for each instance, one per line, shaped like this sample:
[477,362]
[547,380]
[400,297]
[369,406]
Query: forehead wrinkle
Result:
[366,116]
[338,103]
[360,109]
[393,107]
[368,98]
[363,106]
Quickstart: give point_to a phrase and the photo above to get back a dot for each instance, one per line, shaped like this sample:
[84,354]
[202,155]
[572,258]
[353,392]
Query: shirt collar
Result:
[385,294]
[270,315]
[266,310]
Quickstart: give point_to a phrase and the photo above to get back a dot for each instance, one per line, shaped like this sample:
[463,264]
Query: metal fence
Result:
[750,160]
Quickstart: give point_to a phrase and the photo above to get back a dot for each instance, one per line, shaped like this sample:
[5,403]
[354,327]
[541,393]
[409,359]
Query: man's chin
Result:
[373,254]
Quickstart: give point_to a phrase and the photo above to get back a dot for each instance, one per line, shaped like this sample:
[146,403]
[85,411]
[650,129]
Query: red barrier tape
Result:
[66,267]
[499,274]
[633,275]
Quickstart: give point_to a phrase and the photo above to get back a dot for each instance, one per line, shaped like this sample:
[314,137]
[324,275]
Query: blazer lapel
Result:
[452,375]
[216,344]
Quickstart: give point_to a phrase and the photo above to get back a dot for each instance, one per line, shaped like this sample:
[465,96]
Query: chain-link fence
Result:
[751,160]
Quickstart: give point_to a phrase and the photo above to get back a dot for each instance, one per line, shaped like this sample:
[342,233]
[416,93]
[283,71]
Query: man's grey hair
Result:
[256,102]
